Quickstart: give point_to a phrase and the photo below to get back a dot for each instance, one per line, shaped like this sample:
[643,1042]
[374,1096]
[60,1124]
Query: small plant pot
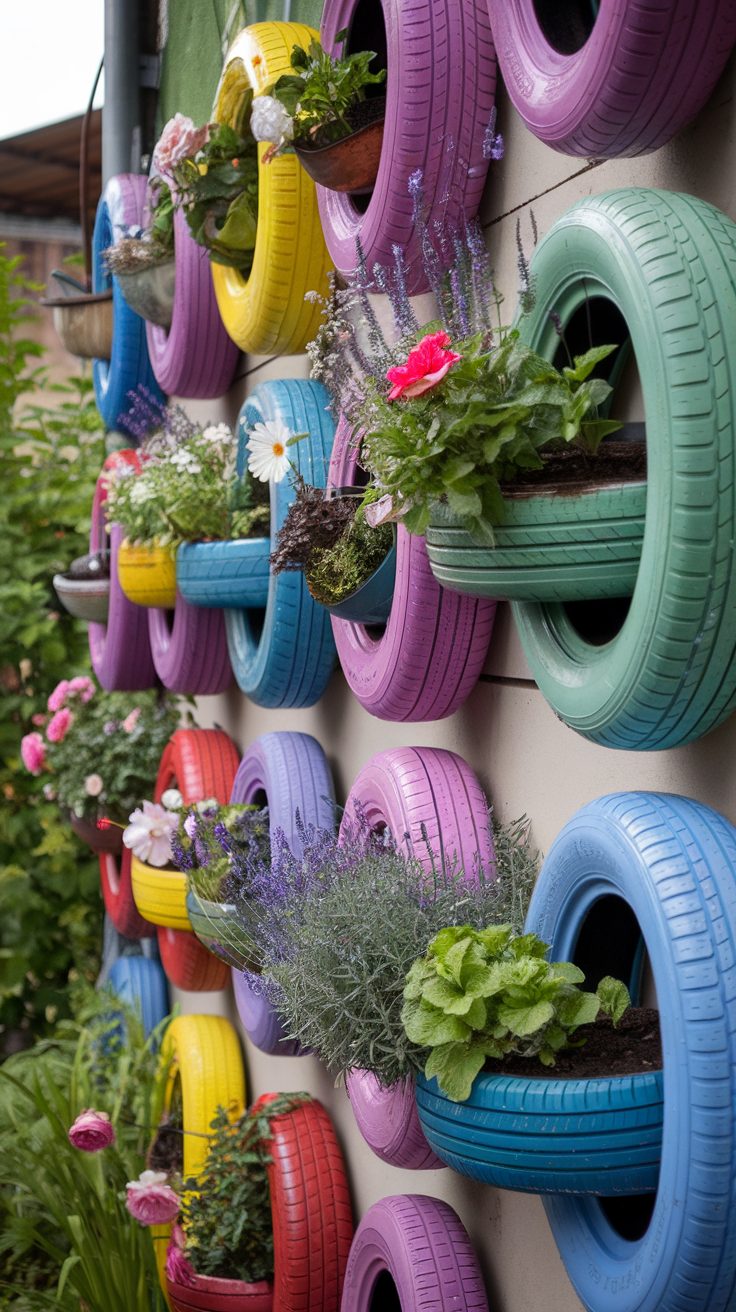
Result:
[84,589]
[147,574]
[160,894]
[83,323]
[347,165]
[218,929]
[98,840]
[150,292]
[371,602]
[551,1136]
[211,1294]
[229,574]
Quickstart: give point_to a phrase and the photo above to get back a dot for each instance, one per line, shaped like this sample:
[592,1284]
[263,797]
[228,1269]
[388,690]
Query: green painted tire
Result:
[218,929]
[668,263]
[549,547]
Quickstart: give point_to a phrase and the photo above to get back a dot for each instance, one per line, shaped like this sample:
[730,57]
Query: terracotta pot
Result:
[99,840]
[211,1294]
[83,323]
[150,292]
[347,165]
[147,574]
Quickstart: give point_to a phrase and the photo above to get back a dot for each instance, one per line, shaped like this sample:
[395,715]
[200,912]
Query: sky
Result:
[49,52]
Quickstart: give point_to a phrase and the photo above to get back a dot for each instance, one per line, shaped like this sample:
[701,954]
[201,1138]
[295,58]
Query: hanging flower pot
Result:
[147,574]
[212,1294]
[217,927]
[350,164]
[83,323]
[109,839]
[150,292]
[84,589]
[160,894]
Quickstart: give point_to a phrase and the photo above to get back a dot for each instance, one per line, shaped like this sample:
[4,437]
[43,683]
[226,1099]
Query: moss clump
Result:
[334,573]
[335,547]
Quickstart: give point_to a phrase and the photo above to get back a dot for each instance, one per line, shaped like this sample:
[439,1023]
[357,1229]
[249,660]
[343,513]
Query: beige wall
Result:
[527,760]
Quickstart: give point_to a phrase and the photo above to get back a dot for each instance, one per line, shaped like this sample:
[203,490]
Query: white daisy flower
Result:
[267,459]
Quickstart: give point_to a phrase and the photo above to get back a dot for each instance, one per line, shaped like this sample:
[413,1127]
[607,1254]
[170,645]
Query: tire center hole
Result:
[384,1296]
[567,25]
[367,31]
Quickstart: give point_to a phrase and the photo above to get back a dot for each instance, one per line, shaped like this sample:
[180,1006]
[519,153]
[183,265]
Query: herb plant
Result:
[486,993]
[209,845]
[335,546]
[323,91]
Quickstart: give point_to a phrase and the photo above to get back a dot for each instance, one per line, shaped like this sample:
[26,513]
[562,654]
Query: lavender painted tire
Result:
[440,91]
[120,650]
[290,772]
[428,657]
[412,1251]
[415,791]
[621,83]
[194,357]
[190,650]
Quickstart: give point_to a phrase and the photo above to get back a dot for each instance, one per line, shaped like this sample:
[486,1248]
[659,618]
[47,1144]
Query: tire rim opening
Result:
[368,32]
[384,1296]
[566,26]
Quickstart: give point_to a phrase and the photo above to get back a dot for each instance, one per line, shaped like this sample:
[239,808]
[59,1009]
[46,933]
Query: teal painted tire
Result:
[549,548]
[218,929]
[667,262]
[233,573]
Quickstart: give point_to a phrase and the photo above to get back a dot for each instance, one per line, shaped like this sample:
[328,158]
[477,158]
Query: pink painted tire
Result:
[440,92]
[189,648]
[120,650]
[623,84]
[412,1252]
[194,357]
[415,791]
[427,659]
[117,895]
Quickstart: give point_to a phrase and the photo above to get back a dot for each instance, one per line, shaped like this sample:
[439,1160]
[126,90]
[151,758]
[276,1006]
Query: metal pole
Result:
[121,130]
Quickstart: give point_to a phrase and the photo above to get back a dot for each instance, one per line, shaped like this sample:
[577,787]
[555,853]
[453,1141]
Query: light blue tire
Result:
[234,573]
[289,659]
[140,982]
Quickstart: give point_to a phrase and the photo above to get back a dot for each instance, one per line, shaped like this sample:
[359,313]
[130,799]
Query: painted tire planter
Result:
[550,547]
[203,1054]
[433,647]
[121,205]
[623,82]
[218,574]
[287,660]
[266,314]
[413,1252]
[160,894]
[141,983]
[289,771]
[147,574]
[193,357]
[370,603]
[189,649]
[211,1294]
[116,884]
[120,650]
[217,928]
[415,791]
[440,89]
[658,867]
[669,674]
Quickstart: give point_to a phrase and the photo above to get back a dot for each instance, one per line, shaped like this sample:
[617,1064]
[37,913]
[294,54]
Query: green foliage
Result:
[50,456]
[613,997]
[490,993]
[218,192]
[227,1209]
[323,90]
[335,547]
[485,423]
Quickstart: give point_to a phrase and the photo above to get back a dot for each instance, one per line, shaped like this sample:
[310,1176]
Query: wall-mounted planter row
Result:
[604,80]
[267,313]
[121,205]
[440,89]
[140,982]
[415,791]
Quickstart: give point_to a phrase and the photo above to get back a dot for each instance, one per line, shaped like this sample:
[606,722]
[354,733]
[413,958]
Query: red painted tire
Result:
[414,1252]
[415,791]
[187,964]
[645,70]
[117,894]
[120,650]
[440,92]
[310,1208]
[210,1294]
[189,651]
[429,656]
[194,357]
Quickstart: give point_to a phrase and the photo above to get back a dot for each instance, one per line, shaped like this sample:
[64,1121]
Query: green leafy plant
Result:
[486,993]
[334,546]
[323,92]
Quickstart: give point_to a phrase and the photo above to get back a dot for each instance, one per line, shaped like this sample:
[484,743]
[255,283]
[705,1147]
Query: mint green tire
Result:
[668,263]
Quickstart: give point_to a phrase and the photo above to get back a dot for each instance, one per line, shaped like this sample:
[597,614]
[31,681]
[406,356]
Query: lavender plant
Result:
[213,845]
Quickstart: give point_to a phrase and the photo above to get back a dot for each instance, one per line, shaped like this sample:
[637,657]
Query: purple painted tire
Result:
[623,83]
[120,650]
[190,651]
[428,658]
[414,1252]
[290,772]
[194,357]
[415,791]
[440,91]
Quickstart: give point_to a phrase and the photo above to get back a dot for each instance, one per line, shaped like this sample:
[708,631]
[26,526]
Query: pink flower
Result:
[92,1131]
[33,752]
[58,725]
[426,365]
[83,685]
[131,720]
[93,785]
[58,696]
[39,719]
[149,833]
[178,1268]
[179,140]
[150,1200]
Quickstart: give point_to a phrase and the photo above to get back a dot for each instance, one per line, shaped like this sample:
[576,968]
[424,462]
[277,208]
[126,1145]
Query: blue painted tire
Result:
[121,204]
[140,981]
[288,661]
[663,866]
[234,573]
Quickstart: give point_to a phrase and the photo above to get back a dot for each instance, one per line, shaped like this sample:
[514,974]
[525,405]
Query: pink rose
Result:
[58,696]
[92,1131]
[178,1267]
[83,685]
[93,785]
[33,752]
[179,140]
[59,724]
[150,1200]
[131,720]
[426,365]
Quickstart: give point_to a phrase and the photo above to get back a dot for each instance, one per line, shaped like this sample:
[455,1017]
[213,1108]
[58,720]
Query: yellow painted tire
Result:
[163,893]
[266,313]
[147,574]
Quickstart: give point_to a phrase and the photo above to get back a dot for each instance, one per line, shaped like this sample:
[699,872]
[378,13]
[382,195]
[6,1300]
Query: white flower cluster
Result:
[186,461]
[270,121]
[218,433]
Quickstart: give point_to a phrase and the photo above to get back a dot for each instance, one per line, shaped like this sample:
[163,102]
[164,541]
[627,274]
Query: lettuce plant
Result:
[491,993]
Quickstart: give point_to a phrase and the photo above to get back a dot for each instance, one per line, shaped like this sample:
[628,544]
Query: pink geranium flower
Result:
[150,1200]
[82,685]
[33,752]
[178,1267]
[426,366]
[59,724]
[179,140]
[92,1131]
[58,696]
